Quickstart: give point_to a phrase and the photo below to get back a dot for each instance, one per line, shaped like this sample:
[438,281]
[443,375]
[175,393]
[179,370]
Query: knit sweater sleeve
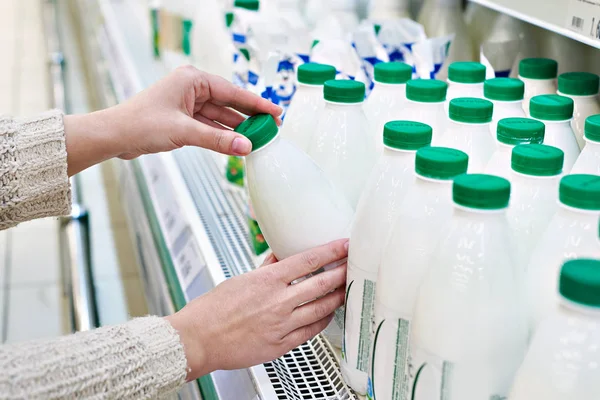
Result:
[33,169]
[142,359]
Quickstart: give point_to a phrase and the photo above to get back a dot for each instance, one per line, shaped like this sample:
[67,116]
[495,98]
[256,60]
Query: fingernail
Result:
[241,146]
[346,245]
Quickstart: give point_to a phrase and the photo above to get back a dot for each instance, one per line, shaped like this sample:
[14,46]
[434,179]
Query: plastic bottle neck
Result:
[463,125]
[572,307]
[575,210]
[592,97]
[342,106]
[468,212]
[590,142]
[271,143]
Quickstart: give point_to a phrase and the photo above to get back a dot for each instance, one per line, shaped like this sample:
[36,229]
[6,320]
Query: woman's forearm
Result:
[143,358]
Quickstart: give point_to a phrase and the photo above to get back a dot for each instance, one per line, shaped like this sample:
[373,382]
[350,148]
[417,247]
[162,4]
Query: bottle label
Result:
[358,319]
[388,375]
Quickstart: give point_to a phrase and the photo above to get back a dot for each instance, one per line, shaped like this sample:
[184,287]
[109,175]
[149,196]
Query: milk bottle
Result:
[425,103]
[341,144]
[507,96]
[510,133]
[589,159]
[423,213]
[379,204]
[539,77]
[556,112]
[535,175]
[465,79]
[468,130]
[582,87]
[572,233]
[469,332]
[388,98]
[562,361]
[300,121]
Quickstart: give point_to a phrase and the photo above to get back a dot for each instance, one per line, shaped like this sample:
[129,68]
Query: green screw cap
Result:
[259,129]
[393,72]
[504,89]
[344,91]
[551,107]
[406,135]
[441,162]
[466,72]
[315,74]
[579,281]
[592,128]
[484,192]
[578,84]
[514,131]
[537,160]
[251,5]
[538,68]
[471,110]
[426,90]
[580,191]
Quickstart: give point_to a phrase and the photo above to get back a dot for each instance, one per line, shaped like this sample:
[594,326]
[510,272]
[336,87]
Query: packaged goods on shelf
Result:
[425,99]
[507,96]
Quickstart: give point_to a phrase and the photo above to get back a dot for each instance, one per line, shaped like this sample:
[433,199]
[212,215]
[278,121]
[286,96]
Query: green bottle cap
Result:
[538,68]
[259,129]
[514,131]
[537,160]
[578,84]
[580,281]
[441,162]
[344,91]
[471,110]
[580,191]
[406,135]
[466,72]
[592,128]
[315,74]
[484,192]
[393,72]
[504,89]
[426,90]
[251,5]
[551,107]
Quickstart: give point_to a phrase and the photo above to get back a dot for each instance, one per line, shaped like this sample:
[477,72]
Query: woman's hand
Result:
[260,316]
[187,108]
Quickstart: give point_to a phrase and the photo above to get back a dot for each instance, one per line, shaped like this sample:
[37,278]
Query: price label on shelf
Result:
[189,262]
[583,17]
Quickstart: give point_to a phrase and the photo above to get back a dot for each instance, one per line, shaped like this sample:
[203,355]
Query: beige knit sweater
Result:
[142,359]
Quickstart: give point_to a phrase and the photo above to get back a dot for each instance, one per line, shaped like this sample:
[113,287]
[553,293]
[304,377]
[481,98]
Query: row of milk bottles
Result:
[419,264]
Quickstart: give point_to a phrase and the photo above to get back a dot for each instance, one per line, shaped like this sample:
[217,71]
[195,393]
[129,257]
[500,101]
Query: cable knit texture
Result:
[33,169]
[142,359]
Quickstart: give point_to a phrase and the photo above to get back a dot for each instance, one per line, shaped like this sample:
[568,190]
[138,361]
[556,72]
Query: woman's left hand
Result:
[187,108]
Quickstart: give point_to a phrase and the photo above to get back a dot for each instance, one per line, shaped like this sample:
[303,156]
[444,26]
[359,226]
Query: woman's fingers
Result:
[316,310]
[317,286]
[222,115]
[225,93]
[310,261]
[210,136]
[305,333]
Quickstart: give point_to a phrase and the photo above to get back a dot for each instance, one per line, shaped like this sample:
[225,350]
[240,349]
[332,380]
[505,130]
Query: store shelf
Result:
[189,226]
[576,19]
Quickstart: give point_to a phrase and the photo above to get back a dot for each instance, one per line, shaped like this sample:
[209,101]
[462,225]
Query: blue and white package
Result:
[398,38]
[370,51]
[430,56]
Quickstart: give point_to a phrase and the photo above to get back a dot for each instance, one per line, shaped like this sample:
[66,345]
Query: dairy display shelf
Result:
[189,227]
[576,19]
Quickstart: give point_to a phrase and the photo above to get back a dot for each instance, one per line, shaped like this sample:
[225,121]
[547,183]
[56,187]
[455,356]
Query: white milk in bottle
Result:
[342,145]
[465,79]
[507,96]
[582,87]
[390,181]
[301,117]
[556,112]
[589,159]
[572,233]
[388,98]
[425,103]
[539,76]
[468,130]
[562,360]
[469,331]
[510,133]
[295,204]
[535,175]
[423,213]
